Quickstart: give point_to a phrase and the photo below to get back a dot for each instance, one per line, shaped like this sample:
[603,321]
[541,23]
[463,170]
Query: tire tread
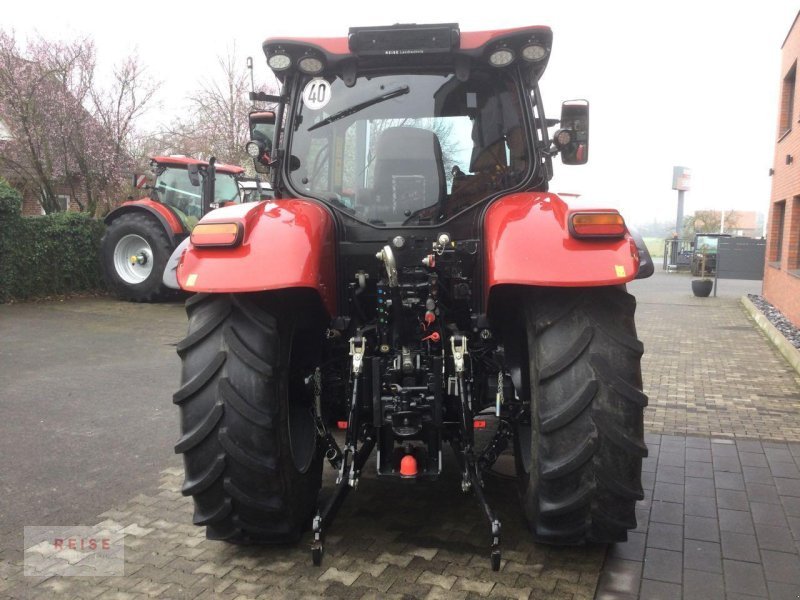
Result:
[585,365]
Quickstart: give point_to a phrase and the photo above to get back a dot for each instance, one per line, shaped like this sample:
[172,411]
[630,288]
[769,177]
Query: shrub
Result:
[10,201]
[42,256]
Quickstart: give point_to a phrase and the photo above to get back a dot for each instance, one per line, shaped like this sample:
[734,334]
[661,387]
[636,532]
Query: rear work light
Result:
[217,234]
[311,64]
[501,57]
[279,60]
[534,52]
[597,224]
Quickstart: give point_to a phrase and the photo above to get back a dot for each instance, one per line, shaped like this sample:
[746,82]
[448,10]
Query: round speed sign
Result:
[317,94]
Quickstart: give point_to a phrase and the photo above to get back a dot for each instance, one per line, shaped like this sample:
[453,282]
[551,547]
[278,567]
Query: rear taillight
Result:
[597,224]
[217,234]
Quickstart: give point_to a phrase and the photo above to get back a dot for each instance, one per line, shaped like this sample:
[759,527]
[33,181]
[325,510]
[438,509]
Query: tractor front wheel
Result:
[579,450]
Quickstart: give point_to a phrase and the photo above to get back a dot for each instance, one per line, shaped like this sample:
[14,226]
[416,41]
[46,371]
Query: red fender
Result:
[172,224]
[285,245]
[528,243]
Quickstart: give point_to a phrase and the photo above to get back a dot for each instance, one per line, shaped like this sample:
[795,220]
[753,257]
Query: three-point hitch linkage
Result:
[350,460]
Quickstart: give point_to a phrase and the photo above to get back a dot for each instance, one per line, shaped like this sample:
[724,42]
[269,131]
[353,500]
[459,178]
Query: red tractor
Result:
[413,274]
[142,234]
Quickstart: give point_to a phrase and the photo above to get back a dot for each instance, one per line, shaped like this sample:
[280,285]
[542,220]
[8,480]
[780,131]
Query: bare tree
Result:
[64,131]
[216,122]
[36,113]
[118,110]
[216,119]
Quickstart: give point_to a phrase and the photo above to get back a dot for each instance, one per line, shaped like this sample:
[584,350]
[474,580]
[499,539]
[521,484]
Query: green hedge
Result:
[49,255]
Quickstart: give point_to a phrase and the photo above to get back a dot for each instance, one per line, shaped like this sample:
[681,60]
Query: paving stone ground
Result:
[708,370]
[721,517]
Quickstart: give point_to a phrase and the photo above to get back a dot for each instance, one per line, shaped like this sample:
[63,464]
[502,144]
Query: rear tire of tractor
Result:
[251,458]
[579,452]
[141,235]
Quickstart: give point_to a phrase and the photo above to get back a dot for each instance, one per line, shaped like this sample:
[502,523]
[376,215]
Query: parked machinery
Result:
[412,273]
[143,233]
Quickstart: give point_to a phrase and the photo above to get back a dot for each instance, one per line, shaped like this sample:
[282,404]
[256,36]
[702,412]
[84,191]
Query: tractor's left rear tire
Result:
[249,444]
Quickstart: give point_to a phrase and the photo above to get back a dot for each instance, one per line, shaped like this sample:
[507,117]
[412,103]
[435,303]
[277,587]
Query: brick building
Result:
[65,193]
[782,271]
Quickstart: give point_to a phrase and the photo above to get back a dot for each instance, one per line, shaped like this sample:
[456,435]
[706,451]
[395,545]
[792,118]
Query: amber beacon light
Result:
[597,224]
[217,234]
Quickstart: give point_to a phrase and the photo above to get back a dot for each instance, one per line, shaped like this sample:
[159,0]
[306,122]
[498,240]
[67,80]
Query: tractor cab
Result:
[179,185]
[254,190]
[412,125]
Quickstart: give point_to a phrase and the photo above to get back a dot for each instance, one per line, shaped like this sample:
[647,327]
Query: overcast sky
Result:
[691,83]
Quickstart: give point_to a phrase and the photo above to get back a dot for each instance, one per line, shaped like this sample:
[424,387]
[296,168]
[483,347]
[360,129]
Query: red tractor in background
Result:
[142,234]
[413,274]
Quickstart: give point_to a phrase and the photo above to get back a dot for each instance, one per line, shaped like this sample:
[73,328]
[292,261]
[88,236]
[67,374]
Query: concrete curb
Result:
[789,352]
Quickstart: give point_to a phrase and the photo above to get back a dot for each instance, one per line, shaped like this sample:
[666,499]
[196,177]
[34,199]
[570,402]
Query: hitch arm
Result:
[472,481]
[324,517]
[494,522]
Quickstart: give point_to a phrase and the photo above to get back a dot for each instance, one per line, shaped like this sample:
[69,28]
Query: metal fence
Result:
[678,255]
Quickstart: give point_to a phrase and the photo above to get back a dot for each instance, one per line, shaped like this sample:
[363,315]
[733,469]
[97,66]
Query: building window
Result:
[776,231]
[787,100]
[793,233]
[63,202]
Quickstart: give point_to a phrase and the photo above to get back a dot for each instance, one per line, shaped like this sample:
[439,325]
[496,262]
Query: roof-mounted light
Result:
[279,60]
[501,57]
[533,52]
[311,64]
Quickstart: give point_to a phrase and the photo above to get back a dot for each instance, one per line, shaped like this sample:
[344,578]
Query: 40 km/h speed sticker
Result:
[317,94]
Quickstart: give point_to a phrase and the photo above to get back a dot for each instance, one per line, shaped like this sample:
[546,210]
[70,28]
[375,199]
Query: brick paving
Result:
[709,371]
[388,542]
[721,514]
[721,517]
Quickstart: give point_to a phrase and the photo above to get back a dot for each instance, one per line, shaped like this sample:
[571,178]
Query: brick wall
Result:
[32,208]
[782,279]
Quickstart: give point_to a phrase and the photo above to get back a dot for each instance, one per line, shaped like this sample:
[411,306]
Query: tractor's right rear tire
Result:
[579,449]
[248,440]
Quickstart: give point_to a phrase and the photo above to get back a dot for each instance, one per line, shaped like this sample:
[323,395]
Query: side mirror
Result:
[572,140]
[194,174]
[262,132]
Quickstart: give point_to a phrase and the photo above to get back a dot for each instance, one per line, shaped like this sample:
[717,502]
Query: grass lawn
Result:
[655,246]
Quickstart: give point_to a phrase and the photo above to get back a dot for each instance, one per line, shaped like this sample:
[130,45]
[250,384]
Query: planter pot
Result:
[702,287]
